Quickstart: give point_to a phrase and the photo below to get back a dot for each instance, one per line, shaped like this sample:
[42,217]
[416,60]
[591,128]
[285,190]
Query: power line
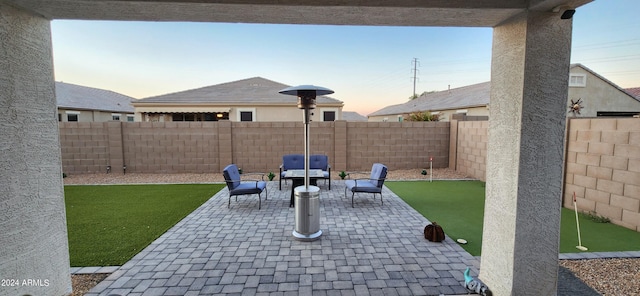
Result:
[415,76]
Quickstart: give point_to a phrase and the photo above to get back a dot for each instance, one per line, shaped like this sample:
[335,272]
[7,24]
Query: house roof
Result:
[470,96]
[251,91]
[634,91]
[353,116]
[463,97]
[72,96]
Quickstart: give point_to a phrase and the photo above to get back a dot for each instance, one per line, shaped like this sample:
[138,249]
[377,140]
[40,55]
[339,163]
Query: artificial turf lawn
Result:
[459,207]
[109,224]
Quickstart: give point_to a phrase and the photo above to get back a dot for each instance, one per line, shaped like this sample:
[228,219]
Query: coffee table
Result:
[297,178]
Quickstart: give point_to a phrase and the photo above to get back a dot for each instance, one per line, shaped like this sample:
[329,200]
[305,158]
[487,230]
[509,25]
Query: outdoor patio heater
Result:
[307,198]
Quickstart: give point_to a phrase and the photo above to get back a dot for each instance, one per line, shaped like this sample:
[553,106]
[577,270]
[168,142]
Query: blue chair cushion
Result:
[362,186]
[249,187]
[232,176]
[378,174]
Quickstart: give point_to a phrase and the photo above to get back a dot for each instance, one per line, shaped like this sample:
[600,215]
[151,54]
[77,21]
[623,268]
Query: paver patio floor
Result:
[372,249]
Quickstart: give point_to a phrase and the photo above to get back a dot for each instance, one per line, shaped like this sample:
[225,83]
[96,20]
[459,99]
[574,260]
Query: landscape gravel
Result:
[606,276]
[616,276]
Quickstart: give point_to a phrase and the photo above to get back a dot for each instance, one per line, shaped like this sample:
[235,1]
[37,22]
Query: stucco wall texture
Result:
[205,147]
[34,257]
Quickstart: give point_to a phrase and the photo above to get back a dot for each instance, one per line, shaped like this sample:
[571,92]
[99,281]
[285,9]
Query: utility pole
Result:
[415,76]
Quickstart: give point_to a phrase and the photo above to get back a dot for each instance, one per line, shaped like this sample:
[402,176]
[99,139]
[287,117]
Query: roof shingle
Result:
[256,90]
[463,97]
[72,96]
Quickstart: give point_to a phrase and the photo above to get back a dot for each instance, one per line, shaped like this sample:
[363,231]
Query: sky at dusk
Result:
[367,67]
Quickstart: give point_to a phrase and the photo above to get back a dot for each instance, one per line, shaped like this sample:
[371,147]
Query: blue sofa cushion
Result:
[296,162]
[319,162]
[293,162]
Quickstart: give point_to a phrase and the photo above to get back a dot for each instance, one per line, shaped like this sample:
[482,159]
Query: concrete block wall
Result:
[603,168]
[170,147]
[471,148]
[399,145]
[602,161]
[602,164]
[259,146]
[84,147]
[203,147]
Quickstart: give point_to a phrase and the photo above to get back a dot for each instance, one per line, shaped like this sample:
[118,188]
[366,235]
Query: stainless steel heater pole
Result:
[307,198]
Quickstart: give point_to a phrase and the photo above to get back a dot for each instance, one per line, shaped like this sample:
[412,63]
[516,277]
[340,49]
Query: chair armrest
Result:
[367,179]
[256,174]
[358,173]
[246,181]
[359,179]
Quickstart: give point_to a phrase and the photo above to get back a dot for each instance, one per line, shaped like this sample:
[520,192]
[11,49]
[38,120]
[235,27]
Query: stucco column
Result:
[34,252]
[529,84]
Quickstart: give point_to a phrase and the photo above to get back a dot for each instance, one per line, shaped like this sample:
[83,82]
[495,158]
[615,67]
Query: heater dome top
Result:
[300,89]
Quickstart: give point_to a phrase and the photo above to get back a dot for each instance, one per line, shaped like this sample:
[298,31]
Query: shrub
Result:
[593,216]
[422,116]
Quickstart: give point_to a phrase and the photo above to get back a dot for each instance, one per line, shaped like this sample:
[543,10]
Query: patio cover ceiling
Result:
[461,13]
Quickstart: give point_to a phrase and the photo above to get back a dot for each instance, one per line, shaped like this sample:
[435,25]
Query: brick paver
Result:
[371,249]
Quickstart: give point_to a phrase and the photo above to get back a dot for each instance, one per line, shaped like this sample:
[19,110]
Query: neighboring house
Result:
[471,100]
[253,99]
[87,104]
[598,97]
[353,116]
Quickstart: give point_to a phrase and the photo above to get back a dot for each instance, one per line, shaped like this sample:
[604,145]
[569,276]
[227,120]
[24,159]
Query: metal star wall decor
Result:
[575,107]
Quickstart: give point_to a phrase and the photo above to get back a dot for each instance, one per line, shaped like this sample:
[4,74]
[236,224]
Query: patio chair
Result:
[373,184]
[296,162]
[239,187]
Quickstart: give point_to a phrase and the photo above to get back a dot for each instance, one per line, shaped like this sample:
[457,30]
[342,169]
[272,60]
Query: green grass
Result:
[109,224]
[459,207]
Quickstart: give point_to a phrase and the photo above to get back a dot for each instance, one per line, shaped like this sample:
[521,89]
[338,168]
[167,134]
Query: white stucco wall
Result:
[521,233]
[598,95]
[92,115]
[33,232]
[276,113]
